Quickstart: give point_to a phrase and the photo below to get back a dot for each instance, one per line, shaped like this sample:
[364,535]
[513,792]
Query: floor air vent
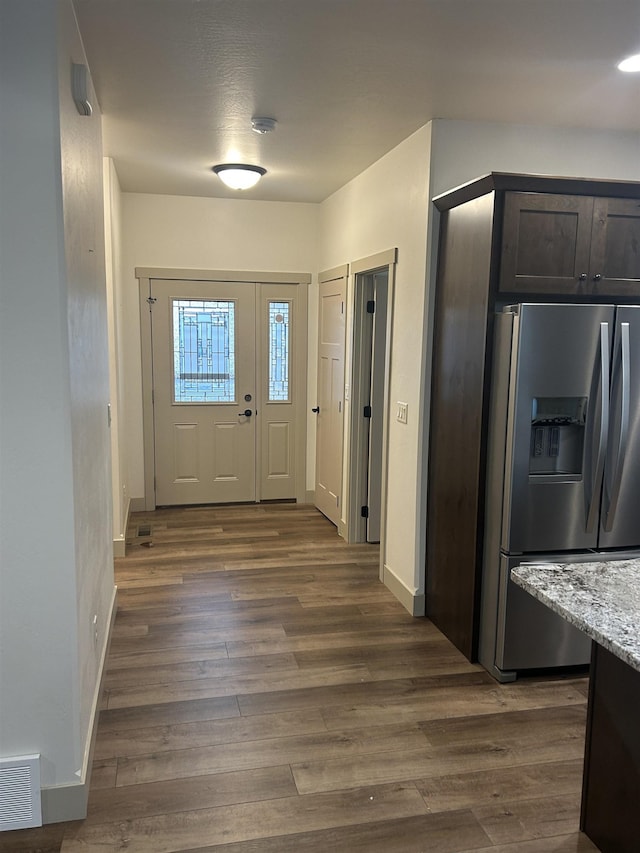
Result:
[143,535]
[20,805]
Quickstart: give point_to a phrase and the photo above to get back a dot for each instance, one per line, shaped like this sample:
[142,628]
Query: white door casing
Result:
[369,377]
[330,400]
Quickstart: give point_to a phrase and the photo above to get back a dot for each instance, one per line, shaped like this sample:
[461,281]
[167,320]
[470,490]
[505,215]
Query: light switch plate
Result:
[402,412]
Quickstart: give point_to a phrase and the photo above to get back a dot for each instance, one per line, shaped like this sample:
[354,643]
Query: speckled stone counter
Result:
[601,599]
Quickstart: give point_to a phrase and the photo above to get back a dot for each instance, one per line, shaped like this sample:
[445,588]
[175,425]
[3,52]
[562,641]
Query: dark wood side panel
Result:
[611,787]
[456,440]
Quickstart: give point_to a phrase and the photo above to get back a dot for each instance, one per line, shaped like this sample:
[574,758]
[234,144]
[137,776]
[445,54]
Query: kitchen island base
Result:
[611,788]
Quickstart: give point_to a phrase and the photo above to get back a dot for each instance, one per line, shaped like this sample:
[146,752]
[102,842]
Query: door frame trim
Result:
[359,270]
[145,275]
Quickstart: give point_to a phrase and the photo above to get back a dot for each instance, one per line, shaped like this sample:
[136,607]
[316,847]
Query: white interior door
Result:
[329,436]
[204,357]
[376,404]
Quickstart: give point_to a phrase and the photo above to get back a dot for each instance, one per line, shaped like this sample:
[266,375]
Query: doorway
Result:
[224,389]
[368,422]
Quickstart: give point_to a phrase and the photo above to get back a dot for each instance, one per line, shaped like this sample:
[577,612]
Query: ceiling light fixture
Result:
[631,63]
[262,124]
[239,176]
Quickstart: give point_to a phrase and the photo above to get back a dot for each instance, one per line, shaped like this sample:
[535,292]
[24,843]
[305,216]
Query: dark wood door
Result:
[546,243]
[614,266]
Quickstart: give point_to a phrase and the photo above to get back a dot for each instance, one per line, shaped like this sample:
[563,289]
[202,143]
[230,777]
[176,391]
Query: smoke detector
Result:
[261,124]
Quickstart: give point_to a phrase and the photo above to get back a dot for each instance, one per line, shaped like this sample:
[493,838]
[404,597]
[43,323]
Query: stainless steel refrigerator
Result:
[563,468]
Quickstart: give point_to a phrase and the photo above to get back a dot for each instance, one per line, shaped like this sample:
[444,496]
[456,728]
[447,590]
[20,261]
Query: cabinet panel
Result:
[456,443]
[546,243]
[615,247]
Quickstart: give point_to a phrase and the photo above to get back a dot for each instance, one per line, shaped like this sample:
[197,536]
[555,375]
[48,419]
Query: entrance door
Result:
[204,356]
[329,437]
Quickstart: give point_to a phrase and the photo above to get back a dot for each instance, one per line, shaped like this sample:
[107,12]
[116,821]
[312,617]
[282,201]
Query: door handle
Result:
[592,512]
[623,438]
[246,414]
[316,409]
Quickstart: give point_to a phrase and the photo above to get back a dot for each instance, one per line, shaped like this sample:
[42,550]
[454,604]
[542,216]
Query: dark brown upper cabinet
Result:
[570,244]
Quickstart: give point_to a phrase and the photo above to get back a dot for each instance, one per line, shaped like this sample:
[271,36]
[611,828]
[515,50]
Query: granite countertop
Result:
[601,599]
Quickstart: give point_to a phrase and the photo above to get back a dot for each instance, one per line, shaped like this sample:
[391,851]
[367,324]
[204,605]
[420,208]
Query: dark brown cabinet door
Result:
[614,266]
[546,243]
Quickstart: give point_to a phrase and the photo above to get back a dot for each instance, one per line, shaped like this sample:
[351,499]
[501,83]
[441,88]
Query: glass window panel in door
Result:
[204,368]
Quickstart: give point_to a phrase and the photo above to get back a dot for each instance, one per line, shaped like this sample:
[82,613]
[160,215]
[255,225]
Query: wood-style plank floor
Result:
[266,694]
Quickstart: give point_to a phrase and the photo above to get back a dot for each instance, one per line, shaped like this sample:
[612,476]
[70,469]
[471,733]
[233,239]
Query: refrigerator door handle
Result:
[594,503]
[623,438]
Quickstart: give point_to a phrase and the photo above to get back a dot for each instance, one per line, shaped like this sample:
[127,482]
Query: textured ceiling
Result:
[179,80]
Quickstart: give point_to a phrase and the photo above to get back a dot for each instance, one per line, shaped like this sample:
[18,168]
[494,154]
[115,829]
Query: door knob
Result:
[597,277]
[246,414]
[316,409]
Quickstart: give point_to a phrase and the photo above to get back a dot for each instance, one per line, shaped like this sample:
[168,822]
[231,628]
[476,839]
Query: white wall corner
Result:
[411,600]
[69,802]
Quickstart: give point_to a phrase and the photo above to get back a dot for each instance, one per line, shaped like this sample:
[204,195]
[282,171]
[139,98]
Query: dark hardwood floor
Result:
[266,694]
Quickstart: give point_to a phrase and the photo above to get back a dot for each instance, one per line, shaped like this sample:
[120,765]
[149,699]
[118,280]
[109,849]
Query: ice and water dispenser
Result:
[557,436]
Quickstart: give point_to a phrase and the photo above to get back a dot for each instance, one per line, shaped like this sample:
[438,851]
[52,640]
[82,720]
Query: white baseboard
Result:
[69,802]
[410,600]
[137,505]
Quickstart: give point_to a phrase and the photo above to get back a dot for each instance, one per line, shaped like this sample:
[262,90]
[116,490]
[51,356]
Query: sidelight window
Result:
[279,355]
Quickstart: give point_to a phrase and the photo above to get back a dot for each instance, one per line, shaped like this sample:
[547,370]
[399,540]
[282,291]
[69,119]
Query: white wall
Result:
[383,208]
[200,233]
[464,150]
[55,546]
[86,296]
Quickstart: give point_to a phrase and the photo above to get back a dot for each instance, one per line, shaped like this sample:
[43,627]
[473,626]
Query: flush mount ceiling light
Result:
[631,63]
[262,124]
[239,176]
